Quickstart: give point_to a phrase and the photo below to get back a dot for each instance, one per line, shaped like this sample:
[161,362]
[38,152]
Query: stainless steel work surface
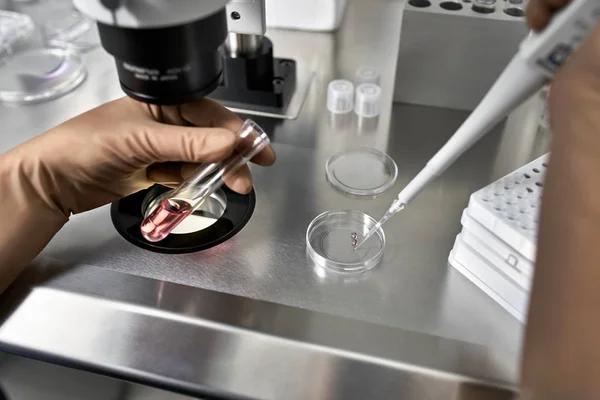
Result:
[413,288]
[413,291]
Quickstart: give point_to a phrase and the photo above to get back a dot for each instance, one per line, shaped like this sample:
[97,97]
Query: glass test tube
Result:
[203,182]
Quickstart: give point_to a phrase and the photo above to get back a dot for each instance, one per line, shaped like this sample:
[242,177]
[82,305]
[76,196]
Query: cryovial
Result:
[367,75]
[340,96]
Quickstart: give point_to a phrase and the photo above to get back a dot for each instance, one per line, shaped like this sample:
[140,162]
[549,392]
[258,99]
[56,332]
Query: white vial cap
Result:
[367,75]
[368,99]
[340,96]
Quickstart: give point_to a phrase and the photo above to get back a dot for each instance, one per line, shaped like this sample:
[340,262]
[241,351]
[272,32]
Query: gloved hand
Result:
[111,151]
[539,12]
[561,358]
[575,91]
[100,156]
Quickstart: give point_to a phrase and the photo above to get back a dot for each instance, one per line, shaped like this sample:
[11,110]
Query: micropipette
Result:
[539,57]
[203,182]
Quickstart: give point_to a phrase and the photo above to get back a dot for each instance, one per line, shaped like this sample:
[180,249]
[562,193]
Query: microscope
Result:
[172,52]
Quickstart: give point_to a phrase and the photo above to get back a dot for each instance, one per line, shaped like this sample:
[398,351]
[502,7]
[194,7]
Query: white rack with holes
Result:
[510,207]
[496,249]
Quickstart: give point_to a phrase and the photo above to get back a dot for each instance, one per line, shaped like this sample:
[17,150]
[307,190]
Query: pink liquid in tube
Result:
[164,219]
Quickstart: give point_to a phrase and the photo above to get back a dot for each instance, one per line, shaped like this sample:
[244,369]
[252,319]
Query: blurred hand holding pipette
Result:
[540,56]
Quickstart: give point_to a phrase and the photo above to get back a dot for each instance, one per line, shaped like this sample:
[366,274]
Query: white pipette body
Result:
[539,57]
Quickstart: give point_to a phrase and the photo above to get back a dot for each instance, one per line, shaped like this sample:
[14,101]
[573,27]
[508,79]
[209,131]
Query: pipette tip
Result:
[396,207]
[357,244]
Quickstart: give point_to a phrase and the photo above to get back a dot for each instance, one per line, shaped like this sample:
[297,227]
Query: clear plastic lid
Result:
[72,31]
[361,172]
[340,96]
[14,29]
[40,74]
[330,238]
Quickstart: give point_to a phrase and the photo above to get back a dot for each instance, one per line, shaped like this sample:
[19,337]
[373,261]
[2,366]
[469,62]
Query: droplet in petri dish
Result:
[336,246]
[329,242]
[354,240]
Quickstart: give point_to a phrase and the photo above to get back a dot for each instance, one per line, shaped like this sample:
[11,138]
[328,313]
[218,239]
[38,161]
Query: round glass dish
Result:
[15,30]
[72,31]
[361,172]
[40,74]
[329,242]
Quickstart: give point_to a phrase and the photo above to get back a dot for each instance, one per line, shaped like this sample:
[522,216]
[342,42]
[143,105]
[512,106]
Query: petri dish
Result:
[15,29]
[72,31]
[40,74]
[361,172]
[329,242]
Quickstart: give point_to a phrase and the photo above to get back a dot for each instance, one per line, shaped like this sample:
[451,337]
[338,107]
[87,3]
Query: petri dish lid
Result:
[40,74]
[73,31]
[361,172]
[14,29]
[329,242]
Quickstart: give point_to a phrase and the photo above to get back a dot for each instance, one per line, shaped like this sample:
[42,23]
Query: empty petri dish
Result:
[72,31]
[361,172]
[40,74]
[329,242]
[15,29]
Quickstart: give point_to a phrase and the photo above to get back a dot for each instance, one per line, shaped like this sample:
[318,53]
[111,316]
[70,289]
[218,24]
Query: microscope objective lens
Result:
[164,219]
